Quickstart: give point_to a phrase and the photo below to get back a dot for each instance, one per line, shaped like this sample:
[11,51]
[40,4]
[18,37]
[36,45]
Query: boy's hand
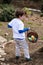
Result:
[29,28]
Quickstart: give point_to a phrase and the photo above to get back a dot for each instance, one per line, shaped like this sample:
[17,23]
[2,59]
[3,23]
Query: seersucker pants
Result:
[21,44]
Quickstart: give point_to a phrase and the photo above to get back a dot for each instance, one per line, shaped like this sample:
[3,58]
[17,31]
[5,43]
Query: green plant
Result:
[41,38]
[41,15]
[0,24]
[6,12]
[35,0]
[27,11]
[30,23]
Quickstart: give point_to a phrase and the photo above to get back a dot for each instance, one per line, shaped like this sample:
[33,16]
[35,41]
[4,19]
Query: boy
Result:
[19,34]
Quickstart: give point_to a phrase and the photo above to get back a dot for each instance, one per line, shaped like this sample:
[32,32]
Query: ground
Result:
[36,23]
[37,59]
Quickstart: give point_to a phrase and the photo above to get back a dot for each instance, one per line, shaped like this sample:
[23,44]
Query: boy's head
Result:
[20,14]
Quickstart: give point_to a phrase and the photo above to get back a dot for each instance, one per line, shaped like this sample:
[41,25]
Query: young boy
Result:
[19,34]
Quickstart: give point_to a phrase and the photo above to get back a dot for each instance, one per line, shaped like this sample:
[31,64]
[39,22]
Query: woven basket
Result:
[29,34]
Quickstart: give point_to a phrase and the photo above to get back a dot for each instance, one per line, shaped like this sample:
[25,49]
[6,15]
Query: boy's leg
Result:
[26,49]
[17,49]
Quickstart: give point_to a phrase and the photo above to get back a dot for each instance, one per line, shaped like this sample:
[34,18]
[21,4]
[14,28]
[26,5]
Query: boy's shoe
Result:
[17,57]
[28,59]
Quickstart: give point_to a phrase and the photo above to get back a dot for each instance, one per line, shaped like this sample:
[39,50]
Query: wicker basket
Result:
[32,33]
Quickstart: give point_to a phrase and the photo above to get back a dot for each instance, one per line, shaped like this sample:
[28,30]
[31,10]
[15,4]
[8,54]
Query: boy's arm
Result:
[9,26]
[24,30]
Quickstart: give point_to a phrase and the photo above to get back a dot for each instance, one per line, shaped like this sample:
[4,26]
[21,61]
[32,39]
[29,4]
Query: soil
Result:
[36,23]
[37,59]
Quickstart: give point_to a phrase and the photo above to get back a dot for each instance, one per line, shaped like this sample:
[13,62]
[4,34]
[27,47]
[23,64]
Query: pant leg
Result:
[17,48]
[25,48]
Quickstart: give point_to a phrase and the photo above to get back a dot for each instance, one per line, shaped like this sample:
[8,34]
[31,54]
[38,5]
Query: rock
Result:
[2,52]
[4,63]
[2,59]
[7,64]
[2,40]
[1,46]
[24,64]
[6,34]
[9,48]
[0,56]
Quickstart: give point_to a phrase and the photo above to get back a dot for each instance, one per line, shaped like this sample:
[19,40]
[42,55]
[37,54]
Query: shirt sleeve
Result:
[24,30]
[10,24]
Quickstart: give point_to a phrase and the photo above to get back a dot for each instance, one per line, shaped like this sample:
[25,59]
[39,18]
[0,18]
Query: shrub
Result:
[6,12]
[41,15]
[27,11]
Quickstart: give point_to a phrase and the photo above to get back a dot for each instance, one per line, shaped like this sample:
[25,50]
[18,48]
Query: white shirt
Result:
[17,24]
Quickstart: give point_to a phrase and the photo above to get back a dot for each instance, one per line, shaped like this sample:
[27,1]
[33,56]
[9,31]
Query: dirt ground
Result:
[37,59]
[36,23]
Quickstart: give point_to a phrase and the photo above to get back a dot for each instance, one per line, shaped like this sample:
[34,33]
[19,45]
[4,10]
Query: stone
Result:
[7,64]
[2,40]
[9,49]
[1,50]
[3,63]
[2,53]
[1,46]
[6,34]
[2,59]
[0,56]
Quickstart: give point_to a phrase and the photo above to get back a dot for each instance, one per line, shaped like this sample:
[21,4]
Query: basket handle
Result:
[30,30]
